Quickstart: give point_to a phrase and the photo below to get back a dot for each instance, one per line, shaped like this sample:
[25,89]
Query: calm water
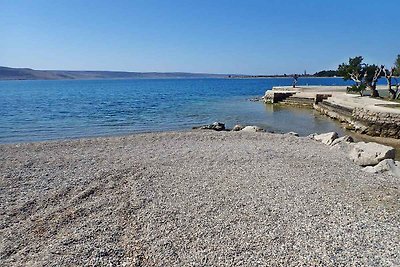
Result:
[45,110]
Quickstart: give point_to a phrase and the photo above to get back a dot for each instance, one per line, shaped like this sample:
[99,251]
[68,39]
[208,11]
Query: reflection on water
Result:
[281,118]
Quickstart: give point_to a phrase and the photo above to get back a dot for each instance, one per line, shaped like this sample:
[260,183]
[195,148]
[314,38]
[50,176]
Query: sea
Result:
[41,110]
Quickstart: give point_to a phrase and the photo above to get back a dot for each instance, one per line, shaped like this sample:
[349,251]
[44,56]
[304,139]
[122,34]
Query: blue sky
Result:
[215,36]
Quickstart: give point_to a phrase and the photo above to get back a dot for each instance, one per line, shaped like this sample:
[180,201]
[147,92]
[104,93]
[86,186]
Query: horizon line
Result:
[162,72]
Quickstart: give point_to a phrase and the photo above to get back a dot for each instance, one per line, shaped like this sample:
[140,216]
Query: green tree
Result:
[364,75]
[353,70]
[397,66]
[372,73]
[396,75]
[390,75]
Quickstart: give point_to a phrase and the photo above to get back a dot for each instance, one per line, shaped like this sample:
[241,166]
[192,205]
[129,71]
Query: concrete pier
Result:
[371,116]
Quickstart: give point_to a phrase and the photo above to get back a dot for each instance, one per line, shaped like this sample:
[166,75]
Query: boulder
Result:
[237,127]
[326,138]
[366,154]
[216,126]
[342,143]
[386,165]
[344,139]
[252,129]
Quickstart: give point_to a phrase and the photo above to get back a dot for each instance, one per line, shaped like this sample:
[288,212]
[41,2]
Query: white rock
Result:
[326,138]
[312,135]
[386,165]
[252,129]
[366,154]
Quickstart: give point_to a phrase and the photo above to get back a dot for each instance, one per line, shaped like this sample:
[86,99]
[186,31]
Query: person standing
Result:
[295,79]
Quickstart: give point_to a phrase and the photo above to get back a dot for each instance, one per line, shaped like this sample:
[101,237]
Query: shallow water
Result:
[47,110]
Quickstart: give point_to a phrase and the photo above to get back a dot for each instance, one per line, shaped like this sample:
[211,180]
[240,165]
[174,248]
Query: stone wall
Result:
[362,120]
[275,97]
[378,123]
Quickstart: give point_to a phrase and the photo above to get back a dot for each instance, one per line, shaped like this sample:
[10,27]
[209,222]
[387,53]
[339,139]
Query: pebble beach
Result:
[198,198]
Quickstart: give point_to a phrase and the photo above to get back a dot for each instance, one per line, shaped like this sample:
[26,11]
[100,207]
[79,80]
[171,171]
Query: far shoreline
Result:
[172,78]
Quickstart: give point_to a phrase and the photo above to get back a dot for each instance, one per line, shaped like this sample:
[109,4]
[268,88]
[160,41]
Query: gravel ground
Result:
[194,199]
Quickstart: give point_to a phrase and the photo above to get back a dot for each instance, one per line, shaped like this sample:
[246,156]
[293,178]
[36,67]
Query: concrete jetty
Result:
[303,95]
[371,116]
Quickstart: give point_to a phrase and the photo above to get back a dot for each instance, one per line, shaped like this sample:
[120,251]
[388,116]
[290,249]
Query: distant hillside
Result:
[30,74]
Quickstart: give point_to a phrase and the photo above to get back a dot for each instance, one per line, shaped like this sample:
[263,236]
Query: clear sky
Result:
[215,36]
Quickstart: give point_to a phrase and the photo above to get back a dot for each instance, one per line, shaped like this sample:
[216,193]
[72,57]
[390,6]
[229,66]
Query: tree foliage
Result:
[357,89]
[396,76]
[397,66]
[371,74]
[390,75]
[364,75]
[353,70]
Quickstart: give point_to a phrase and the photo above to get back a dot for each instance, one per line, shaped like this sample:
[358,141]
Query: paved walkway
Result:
[356,101]
[341,98]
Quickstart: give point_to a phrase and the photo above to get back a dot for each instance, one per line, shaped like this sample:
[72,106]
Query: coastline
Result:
[179,197]
[162,78]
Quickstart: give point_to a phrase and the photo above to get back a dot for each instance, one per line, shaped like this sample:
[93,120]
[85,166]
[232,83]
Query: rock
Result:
[343,139]
[342,143]
[237,127]
[312,135]
[349,127]
[252,129]
[386,165]
[293,133]
[268,97]
[365,154]
[216,126]
[360,127]
[256,99]
[326,138]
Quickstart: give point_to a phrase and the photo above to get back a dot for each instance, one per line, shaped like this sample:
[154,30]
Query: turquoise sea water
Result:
[47,110]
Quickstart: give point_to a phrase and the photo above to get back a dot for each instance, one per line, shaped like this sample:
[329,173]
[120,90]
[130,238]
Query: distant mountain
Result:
[7,73]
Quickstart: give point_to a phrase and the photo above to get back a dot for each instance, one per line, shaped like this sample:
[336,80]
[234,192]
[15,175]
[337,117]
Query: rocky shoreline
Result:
[377,158]
[194,198]
[364,121]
